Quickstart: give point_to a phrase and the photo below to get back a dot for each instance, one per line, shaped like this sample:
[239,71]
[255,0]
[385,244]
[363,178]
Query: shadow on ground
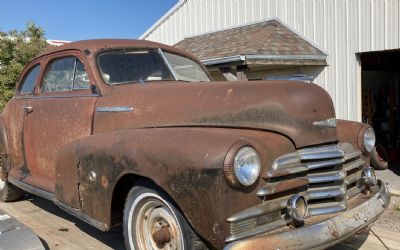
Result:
[395,168]
[113,239]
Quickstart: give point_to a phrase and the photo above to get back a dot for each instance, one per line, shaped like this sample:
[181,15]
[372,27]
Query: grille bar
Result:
[326,192]
[278,187]
[333,176]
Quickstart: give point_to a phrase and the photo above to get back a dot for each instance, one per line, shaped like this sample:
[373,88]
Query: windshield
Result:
[129,66]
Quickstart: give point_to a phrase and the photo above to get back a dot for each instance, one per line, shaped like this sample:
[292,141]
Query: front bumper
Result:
[325,233]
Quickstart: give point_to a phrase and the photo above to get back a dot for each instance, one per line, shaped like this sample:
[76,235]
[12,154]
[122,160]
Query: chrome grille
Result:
[327,176]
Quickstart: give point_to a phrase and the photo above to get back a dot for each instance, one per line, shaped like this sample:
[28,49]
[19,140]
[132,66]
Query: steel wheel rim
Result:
[154,217]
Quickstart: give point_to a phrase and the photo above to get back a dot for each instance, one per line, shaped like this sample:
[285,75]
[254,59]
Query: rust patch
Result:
[104,181]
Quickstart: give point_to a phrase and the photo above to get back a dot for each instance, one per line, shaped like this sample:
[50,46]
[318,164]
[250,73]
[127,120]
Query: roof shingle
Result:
[263,38]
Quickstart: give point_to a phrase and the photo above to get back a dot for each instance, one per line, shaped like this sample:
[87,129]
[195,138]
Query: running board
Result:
[30,189]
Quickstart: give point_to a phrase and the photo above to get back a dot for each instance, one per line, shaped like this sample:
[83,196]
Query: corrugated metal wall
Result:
[341,27]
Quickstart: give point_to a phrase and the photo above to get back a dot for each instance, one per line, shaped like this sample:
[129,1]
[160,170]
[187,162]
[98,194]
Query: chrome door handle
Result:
[28,109]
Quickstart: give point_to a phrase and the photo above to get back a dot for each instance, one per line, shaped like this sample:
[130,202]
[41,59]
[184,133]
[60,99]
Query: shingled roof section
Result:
[270,39]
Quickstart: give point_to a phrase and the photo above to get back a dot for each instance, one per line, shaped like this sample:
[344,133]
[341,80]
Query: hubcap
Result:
[156,226]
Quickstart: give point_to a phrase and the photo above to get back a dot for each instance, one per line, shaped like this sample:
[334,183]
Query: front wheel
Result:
[151,221]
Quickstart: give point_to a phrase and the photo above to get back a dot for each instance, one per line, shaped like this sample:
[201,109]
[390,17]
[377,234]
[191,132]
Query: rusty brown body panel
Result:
[13,118]
[349,131]
[288,108]
[54,122]
[185,162]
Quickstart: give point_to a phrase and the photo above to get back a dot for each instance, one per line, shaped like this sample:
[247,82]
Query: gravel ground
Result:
[390,219]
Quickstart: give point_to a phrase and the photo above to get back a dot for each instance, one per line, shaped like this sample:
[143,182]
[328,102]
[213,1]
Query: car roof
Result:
[96,45]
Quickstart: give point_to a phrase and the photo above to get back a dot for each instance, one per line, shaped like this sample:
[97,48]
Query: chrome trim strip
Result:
[259,230]
[55,96]
[325,192]
[31,189]
[261,209]
[354,191]
[322,164]
[328,123]
[115,109]
[352,155]
[350,179]
[326,177]
[161,52]
[318,153]
[355,164]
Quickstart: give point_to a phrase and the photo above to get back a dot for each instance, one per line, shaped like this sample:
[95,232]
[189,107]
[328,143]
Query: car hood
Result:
[285,107]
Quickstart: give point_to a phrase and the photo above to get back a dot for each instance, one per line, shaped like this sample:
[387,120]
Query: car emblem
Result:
[328,123]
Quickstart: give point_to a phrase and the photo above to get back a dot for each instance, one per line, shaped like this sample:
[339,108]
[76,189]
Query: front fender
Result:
[185,162]
[352,132]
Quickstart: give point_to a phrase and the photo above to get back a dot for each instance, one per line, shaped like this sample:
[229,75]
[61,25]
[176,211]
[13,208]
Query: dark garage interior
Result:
[380,79]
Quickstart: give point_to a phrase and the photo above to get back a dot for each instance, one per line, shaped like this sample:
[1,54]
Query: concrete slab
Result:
[391,177]
[59,230]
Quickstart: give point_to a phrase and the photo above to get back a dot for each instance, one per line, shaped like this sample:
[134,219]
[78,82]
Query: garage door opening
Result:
[380,85]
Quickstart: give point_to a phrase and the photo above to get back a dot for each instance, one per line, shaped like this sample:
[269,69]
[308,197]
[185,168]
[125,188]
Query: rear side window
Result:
[65,74]
[28,83]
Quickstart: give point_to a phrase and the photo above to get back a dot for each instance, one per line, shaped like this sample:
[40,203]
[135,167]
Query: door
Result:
[14,114]
[60,113]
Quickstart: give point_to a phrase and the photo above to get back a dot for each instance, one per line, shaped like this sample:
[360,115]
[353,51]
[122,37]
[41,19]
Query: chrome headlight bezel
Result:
[242,165]
[369,139]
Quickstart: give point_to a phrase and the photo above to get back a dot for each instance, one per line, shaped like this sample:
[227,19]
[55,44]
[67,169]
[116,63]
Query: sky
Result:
[73,20]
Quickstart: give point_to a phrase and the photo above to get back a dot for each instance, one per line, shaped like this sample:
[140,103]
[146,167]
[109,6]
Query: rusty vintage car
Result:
[135,132]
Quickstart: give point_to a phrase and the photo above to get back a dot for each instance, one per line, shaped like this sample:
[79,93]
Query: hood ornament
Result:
[328,123]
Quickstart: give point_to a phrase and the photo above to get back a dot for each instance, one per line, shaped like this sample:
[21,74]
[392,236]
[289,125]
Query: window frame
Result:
[23,77]
[159,50]
[50,58]
[72,86]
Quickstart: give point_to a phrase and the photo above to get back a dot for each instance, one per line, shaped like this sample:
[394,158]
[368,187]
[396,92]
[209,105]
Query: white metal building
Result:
[342,28]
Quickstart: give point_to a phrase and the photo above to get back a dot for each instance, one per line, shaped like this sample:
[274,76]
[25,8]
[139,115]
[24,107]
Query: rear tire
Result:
[151,221]
[8,192]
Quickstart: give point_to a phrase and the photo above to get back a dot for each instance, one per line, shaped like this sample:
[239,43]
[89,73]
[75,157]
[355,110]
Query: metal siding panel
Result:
[341,27]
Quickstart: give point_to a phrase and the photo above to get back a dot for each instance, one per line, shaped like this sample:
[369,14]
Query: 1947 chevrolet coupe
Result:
[136,132]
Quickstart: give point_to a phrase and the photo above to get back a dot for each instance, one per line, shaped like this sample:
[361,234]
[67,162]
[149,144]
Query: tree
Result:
[17,48]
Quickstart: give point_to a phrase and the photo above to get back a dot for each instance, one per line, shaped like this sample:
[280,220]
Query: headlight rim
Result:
[229,170]
[361,139]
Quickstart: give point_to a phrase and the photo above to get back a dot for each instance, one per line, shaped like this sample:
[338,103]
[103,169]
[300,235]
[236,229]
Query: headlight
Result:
[247,166]
[242,165]
[369,139]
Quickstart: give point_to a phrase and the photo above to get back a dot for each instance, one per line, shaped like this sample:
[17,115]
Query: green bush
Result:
[17,48]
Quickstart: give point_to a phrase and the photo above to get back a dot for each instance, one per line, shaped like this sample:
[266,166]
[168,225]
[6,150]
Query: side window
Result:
[28,83]
[65,74]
